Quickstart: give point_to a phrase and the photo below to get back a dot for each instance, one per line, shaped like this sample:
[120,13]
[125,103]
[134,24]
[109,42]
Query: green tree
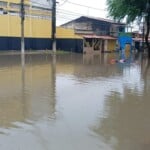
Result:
[131,10]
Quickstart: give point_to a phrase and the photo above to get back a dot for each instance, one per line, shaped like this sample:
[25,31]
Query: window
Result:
[17,6]
[3,4]
[14,5]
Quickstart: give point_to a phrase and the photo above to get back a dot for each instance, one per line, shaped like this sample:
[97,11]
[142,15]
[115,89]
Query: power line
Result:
[69,12]
[65,1]
[74,14]
[65,17]
[85,6]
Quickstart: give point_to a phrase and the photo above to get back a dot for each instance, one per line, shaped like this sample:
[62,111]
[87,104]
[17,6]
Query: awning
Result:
[99,37]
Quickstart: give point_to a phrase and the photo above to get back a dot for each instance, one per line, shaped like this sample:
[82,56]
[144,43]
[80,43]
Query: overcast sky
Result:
[71,9]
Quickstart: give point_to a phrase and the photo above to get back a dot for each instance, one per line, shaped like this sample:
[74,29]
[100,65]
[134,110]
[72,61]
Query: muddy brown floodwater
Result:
[74,102]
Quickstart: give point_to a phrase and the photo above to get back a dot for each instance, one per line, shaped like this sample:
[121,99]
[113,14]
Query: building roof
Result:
[95,18]
[103,19]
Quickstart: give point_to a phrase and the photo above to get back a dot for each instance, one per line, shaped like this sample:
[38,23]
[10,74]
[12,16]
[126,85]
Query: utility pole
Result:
[53,25]
[22,16]
[143,33]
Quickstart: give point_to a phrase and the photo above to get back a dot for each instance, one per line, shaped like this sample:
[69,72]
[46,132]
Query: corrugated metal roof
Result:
[99,37]
[102,19]
[95,18]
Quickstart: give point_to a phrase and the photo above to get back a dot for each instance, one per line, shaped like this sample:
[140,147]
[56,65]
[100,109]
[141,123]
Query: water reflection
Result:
[127,121]
[74,101]
[23,95]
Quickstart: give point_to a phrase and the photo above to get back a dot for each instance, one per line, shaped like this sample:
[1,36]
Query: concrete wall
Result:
[111,45]
[37,28]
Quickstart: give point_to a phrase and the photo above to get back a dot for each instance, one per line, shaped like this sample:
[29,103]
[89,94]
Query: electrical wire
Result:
[65,17]
[85,6]
[65,1]
[68,12]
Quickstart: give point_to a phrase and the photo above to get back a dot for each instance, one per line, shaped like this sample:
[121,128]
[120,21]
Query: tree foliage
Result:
[131,10]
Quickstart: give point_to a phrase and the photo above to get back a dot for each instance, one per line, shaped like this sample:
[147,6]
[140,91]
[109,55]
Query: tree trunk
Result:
[147,33]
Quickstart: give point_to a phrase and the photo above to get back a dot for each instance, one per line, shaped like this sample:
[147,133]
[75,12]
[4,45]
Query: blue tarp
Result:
[123,40]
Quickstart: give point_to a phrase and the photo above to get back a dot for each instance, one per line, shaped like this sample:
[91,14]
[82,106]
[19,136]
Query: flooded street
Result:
[74,102]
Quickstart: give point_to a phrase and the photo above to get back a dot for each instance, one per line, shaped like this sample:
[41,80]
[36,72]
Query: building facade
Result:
[37,27]
[96,26]
[100,35]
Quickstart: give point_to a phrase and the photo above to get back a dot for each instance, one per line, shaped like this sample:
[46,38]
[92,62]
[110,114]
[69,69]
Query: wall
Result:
[111,45]
[66,33]
[37,29]
[10,26]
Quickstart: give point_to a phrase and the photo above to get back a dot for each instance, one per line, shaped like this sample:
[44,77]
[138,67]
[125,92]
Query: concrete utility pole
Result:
[22,15]
[53,25]
[143,34]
